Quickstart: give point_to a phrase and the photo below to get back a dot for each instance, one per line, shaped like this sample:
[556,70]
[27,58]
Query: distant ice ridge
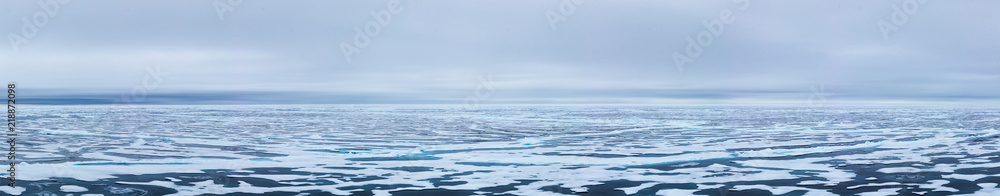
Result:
[520,150]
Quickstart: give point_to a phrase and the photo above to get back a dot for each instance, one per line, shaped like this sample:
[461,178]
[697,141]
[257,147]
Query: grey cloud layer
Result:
[435,51]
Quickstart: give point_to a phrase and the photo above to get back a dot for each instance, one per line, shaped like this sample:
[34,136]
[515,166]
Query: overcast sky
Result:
[513,51]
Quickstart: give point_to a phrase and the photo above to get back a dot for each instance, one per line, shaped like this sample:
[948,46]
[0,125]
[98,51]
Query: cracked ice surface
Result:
[507,150]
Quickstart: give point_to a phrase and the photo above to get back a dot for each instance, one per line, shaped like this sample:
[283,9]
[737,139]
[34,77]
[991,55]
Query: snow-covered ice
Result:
[512,149]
